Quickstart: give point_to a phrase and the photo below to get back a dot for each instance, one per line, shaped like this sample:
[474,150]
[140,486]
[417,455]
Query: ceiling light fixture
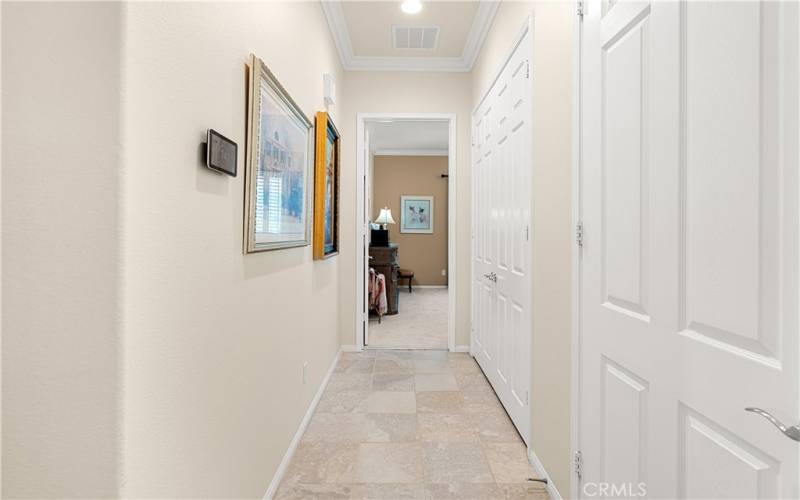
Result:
[411,6]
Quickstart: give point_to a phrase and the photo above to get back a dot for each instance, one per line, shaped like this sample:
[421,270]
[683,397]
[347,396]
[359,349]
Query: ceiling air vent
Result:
[415,37]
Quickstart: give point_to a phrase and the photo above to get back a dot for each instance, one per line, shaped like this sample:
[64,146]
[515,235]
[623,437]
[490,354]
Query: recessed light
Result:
[411,6]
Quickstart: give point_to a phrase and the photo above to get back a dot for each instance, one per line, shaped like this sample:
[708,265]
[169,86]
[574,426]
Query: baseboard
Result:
[287,457]
[426,286]
[350,348]
[540,470]
[462,348]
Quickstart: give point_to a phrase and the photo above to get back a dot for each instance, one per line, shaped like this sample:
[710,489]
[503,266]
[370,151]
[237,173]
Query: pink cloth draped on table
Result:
[377,292]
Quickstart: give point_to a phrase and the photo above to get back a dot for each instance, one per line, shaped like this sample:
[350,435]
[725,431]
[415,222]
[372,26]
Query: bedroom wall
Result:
[395,176]
[405,92]
[552,224]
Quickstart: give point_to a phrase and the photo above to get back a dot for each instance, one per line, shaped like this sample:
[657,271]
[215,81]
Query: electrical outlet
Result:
[444,272]
[305,372]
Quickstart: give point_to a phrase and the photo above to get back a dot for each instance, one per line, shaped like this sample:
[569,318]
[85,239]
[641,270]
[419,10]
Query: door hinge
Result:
[527,403]
[579,9]
[527,233]
[527,69]
[577,463]
[579,234]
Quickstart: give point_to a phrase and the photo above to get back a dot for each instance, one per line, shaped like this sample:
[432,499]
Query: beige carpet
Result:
[410,425]
[420,324]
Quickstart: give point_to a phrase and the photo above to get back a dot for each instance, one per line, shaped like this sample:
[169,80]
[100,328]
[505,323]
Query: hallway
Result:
[410,424]
[420,324]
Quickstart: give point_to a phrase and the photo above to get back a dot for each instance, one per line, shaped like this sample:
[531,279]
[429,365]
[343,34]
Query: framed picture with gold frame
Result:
[326,188]
[279,170]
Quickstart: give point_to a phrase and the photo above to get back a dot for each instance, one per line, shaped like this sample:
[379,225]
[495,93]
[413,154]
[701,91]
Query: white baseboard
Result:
[462,348]
[287,457]
[425,286]
[350,348]
[540,470]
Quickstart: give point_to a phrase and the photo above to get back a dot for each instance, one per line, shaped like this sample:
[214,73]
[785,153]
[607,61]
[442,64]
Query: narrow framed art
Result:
[278,178]
[416,214]
[326,188]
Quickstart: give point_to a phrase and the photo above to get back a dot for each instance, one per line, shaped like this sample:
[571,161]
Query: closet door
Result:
[502,163]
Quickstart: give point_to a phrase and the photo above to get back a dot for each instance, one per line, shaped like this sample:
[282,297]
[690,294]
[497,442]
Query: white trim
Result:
[480,28]
[575,333]
[410,152]
[430,286]
[287,457]
[452,213]
[350,348]
[350,62]
[362,319]
[542,473]
[463,348]
[338,26]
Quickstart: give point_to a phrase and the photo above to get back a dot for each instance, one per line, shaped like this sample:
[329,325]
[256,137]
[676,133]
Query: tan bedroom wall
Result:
[395,176]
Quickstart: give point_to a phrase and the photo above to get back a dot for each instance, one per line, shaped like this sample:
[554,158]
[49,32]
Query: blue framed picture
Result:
[416,214]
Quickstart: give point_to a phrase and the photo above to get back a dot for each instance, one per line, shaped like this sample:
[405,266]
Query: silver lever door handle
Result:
[790,432]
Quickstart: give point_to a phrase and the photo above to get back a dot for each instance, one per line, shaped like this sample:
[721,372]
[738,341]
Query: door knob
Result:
[790,432]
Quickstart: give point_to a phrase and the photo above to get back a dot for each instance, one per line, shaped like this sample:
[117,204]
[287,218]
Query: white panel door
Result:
[689,265]
[502,162]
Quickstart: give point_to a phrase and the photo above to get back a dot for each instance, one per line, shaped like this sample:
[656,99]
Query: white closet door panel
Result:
[502,163]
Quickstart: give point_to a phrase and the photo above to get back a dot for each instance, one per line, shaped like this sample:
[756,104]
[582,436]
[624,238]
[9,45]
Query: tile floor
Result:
[421,322]
[410,424]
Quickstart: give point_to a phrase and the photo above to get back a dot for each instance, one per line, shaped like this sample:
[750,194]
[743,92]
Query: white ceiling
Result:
[362,31]
[408,137]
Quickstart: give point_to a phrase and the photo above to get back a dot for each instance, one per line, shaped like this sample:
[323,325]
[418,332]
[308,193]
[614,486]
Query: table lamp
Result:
[380,237]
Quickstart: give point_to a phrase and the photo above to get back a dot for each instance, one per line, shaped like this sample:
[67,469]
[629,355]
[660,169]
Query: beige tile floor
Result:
[410,424]
[421,322]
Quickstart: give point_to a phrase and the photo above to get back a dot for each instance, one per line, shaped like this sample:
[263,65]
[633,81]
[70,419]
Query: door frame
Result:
[452,216]
[575,341]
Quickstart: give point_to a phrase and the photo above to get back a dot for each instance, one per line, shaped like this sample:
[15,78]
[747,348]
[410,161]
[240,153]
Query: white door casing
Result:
[689,264]
[366,234]
[363,204]
[501,288]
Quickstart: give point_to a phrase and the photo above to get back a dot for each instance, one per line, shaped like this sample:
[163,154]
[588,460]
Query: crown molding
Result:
[338,25]
[410,152]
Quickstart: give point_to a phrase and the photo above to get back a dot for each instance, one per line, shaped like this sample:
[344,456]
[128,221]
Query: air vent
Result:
[415,37]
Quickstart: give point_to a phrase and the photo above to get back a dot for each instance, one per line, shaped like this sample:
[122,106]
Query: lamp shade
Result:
[385,217]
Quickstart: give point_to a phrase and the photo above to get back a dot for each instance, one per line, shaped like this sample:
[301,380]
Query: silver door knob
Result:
[790,432]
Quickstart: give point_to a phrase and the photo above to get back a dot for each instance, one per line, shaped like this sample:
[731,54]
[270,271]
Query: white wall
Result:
[214,339]
[61,155]
[404,92]
[552,231]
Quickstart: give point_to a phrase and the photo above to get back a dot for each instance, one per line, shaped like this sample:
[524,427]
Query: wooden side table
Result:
[406,274]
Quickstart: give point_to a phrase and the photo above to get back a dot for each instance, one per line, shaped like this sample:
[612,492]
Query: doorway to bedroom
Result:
[407,232]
